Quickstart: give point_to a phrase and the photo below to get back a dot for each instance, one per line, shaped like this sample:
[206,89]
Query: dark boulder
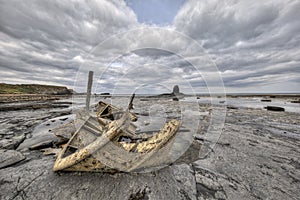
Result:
[295,101]
[105,93]
[275,108]
[265,100]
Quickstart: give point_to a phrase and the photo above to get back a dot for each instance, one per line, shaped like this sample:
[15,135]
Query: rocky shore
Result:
[17,98]
[256,157]
[26,89]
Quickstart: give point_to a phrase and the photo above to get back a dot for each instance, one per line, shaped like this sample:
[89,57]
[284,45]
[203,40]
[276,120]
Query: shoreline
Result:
[11,102]
[7,98]
[249,160]
[16,98]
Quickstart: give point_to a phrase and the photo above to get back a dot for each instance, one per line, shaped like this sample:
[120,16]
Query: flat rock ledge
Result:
[10,157]
[256,157]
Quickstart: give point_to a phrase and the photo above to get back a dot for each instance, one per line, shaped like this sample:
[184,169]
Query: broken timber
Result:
[97,144]
[89,90]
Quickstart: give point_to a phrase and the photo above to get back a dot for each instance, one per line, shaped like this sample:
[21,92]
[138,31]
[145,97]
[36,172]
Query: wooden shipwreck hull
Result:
[108,142]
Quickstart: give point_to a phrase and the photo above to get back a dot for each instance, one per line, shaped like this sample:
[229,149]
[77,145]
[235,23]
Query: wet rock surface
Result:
[256,157]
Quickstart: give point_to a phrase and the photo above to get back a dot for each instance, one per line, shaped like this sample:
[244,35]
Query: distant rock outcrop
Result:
[175,89]
[175,94]
[34,89]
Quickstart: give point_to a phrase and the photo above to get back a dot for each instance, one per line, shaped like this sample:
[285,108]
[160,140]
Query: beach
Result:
[256,155]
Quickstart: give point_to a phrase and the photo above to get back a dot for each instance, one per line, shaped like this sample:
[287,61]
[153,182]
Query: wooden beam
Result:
[89,90]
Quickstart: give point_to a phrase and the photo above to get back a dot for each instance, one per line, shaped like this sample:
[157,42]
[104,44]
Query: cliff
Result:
[34,89]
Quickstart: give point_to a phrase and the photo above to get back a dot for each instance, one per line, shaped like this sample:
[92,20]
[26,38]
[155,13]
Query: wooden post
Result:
[130,105]
[89,90]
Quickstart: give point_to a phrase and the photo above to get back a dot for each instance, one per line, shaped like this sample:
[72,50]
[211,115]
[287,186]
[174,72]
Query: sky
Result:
[149,46]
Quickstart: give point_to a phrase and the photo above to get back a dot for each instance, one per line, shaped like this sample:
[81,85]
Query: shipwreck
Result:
[107,140]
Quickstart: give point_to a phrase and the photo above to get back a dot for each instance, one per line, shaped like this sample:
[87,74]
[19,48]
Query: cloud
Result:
[45,41]
[258,40]
[147,68]
[255,45]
